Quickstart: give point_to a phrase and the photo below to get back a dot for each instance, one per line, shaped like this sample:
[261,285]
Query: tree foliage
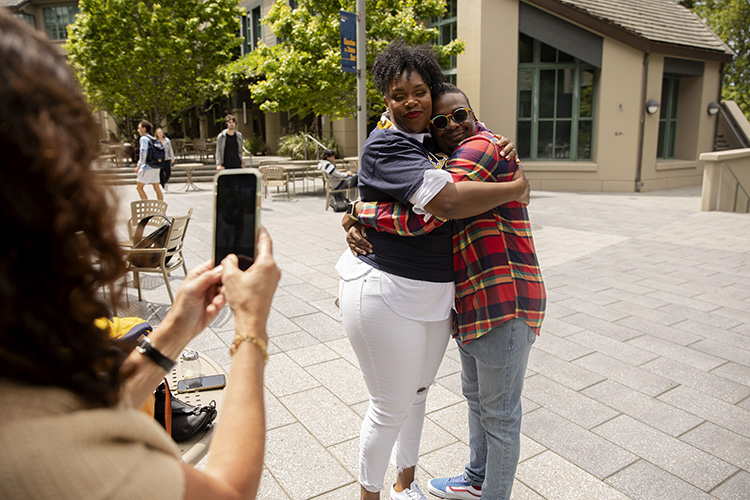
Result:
[730,20]
[152,58]
[302,74]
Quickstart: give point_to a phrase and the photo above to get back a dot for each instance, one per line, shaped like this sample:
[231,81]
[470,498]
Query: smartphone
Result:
[236,214]
[201,383]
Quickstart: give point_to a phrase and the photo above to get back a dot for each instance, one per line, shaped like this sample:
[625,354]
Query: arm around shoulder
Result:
[468,199]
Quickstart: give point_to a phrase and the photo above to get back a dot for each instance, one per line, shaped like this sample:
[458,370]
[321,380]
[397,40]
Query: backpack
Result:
[155,155]
[157,239]
[338,202]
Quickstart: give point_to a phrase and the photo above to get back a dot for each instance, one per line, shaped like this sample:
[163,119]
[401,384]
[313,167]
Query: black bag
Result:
[338,202]
[180,419]
[155,154]
[157,239]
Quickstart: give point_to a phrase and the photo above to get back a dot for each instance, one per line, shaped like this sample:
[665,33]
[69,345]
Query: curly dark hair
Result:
[60,244]
[398,57]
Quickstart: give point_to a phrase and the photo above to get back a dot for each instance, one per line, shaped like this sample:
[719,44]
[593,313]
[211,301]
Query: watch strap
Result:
[152,353]
[350,210]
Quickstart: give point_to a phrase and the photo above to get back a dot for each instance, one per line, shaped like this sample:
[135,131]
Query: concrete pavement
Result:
[637,388]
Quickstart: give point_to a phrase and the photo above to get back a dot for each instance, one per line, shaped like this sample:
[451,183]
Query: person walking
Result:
[146,174]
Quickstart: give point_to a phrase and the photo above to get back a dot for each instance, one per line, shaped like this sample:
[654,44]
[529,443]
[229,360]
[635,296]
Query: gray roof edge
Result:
[12,3]
[627,35]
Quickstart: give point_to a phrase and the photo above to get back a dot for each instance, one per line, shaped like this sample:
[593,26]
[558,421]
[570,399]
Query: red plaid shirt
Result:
[496,270]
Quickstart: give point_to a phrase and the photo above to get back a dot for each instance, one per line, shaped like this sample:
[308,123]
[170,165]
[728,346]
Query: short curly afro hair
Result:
[398,57]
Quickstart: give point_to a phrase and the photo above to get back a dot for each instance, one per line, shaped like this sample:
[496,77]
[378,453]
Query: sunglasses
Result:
[459,116]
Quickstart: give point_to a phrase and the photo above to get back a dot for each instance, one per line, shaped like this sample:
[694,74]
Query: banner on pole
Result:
[348,41]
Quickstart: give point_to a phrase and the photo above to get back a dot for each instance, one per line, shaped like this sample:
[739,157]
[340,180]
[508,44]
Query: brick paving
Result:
[637,388]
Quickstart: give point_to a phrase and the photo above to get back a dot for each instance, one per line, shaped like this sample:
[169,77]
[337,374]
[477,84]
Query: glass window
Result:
[547,93]
[250,30]
[24,17]
[525,49]
[548,54]
[255,31]
[670,90]
[555,103]
[447,26]
[57,19]
[525,86]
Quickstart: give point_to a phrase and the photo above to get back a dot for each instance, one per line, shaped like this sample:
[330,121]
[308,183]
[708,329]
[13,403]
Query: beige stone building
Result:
[599,95]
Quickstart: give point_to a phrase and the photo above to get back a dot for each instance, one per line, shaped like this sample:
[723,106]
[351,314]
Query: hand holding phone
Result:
[236,214]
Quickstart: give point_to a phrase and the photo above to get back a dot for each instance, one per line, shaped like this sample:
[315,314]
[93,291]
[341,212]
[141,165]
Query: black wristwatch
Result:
[350,209]
[152,353]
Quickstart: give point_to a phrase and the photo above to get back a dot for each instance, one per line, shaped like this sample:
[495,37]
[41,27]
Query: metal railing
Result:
[737,188]
[317,149]
[730,121]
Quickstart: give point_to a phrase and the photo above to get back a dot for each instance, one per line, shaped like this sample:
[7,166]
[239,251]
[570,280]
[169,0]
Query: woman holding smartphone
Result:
[71,425]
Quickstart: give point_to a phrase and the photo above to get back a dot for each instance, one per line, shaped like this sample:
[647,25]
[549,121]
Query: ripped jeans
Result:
[399,358]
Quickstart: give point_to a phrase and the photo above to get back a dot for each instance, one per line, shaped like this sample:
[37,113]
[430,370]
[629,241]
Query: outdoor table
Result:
[304,169]
[352,163]
[189,168]
[194,449]
[294,170]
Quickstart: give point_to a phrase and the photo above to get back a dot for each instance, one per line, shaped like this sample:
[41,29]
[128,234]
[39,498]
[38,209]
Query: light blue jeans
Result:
[492,372]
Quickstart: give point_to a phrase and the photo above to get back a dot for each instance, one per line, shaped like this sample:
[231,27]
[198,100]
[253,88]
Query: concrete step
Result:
[121,176]
[720,143]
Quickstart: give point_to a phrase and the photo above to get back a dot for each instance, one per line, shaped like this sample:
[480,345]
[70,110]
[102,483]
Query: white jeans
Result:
[399,358]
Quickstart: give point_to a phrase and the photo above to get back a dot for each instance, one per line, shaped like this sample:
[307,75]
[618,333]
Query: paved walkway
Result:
[637,388]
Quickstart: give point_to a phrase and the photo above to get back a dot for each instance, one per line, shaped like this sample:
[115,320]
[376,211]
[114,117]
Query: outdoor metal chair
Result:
[170,255]
[140,209]
[330,184]
[274,176]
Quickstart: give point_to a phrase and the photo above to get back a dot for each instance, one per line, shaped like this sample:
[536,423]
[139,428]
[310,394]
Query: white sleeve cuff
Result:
[434,181]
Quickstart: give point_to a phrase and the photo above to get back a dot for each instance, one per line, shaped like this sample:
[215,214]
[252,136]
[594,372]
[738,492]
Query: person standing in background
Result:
[166,171]
[229,146]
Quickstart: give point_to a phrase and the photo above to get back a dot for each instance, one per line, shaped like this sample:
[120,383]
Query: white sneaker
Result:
[413,492]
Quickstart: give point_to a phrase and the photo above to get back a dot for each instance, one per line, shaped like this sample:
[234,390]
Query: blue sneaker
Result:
[454,488]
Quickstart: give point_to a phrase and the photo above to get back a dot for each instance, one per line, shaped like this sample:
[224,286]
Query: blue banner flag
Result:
[348,41]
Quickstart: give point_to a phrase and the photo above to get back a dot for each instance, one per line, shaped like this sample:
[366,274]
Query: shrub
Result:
[293,145]
[255,145]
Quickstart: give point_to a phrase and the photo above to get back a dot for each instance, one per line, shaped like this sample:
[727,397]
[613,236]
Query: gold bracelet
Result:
[259,343]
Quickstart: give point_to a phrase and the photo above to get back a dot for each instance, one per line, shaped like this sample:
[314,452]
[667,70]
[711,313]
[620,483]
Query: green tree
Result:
[730,20]
[302,74]
[152,58]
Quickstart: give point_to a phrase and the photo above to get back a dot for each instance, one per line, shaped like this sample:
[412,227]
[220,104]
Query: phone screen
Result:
[201,383]
[236,211]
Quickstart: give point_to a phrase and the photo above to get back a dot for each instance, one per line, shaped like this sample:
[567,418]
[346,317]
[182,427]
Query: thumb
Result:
[229,266]
[265,245]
